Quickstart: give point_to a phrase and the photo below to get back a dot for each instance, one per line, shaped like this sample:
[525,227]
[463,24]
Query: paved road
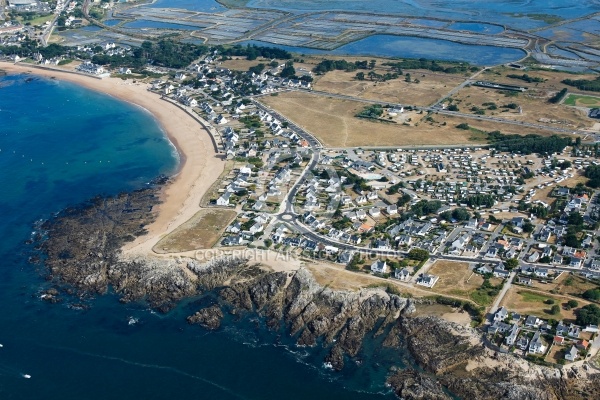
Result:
[502,293]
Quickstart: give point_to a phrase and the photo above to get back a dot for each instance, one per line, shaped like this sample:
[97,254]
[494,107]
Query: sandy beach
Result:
[200,165]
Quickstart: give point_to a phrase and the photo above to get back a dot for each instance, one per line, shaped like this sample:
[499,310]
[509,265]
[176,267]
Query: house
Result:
[511,338]
[558,340]
[536,346]
[382,244]
[427,280]
[404,240]
[375,212]
[257,227]
[522,342]
[574,331]
[234,240]
[258,205]
[572,354]
[484,269]
[345,257]
[379,267]
[562,329]
[533,257]
[501,314]
[392,209]
[500,272]
[532,321]
[236,227]
[402,274]
[124,71]
[524,281]
[223,200]
[541,272]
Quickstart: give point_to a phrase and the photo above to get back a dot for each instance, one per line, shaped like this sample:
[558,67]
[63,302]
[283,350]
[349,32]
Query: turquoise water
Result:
[413,47]
[60,145]
[476,27]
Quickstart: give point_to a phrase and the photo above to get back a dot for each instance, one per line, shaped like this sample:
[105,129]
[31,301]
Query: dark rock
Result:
[209,318]
[409,384]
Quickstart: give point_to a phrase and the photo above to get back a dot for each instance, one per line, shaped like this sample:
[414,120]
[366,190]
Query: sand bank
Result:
[200,165]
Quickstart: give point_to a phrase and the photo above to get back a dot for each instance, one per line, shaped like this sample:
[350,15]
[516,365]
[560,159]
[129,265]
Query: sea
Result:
[60,145]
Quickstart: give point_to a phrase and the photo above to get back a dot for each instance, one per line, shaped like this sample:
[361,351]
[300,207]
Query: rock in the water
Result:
[209,318]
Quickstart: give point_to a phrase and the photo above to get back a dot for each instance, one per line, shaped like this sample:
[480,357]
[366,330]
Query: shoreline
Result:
[196,171]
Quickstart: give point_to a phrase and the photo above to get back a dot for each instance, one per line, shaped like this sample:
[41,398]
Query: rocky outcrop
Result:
[409,384]
[456,355]
[209,317]
[82,252]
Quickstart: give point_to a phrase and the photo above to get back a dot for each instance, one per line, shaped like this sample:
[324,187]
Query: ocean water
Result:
[60,145]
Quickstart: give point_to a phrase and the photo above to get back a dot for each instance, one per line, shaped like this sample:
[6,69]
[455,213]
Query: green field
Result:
[582,101]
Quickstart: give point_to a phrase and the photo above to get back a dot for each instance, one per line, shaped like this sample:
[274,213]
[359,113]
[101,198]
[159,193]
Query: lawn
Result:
[582,101]
[200,232]
[457,279]
[529,302]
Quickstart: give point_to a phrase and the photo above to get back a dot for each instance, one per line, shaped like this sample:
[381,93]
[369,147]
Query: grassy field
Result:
[201,232]
[430,88]
[582,101]
[457,279]
[333,121]
[534,104]
[528,302]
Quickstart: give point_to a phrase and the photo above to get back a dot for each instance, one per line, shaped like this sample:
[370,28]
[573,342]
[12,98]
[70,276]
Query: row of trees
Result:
[584,84]
[342,65]
[252,52]
[528,144]
[431,65]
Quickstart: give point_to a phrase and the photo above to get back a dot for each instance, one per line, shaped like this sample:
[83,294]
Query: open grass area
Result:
[456,278]
[529,302]
[200,232]
[534,107]
[431,86]
[582,101]
[333,121]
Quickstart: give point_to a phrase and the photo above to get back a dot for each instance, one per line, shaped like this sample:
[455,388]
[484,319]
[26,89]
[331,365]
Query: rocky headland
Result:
[81,252]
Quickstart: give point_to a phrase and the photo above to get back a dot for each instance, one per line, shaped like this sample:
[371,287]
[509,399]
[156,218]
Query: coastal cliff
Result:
[81,252]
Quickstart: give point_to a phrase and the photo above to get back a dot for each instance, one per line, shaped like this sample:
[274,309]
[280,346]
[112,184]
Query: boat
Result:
[132,321]
[26,376]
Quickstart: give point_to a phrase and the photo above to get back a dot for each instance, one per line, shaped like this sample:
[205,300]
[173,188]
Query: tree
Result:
[588,315]
[454,107]
[555,309]
[360,76]
[511,263]
[418,254]
[289,70]
[592,294]
[528,227]
[460,214]
[572,303]
[407,77]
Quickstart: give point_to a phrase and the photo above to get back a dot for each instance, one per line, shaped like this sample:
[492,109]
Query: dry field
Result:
[429,90]
[552,83]
[336,277]
[333,121]
[455,278]
[534,103]
[531,302]
[200,232]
